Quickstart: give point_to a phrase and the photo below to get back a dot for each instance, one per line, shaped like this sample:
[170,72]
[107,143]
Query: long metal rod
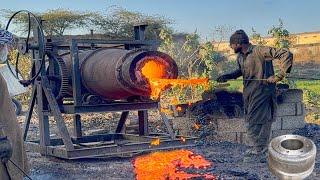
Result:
[24,173]
[290,77]
[243,79]
[306,78]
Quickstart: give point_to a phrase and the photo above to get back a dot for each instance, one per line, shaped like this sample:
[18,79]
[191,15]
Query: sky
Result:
[200,15]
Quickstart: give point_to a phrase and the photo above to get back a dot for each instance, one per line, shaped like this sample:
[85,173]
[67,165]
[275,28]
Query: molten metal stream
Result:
[154,72]
[168,165]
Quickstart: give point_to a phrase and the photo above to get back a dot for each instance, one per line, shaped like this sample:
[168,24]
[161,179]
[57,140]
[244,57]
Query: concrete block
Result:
[276,133]
[231,125]
[286,109]
[186,126]
[293,122]
[293,95]
[241,137]
[277,125]
[300,109]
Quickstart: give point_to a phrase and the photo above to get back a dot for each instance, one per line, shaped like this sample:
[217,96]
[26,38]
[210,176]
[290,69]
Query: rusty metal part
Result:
[291,156]
[60,78]
[116,73]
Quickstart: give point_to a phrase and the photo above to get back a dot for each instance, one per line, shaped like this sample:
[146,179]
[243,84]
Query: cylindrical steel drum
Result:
[116,73]
[291,157]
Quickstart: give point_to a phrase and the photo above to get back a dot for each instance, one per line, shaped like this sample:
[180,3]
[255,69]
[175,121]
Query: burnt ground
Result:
[226,157]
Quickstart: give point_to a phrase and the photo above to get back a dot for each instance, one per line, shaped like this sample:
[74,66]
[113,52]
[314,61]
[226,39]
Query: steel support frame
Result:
[68,147]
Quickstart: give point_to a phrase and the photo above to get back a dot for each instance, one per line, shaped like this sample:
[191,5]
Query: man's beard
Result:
[238,49]
[3,54]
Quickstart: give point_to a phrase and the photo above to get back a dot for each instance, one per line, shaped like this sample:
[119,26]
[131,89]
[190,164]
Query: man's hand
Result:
[5,149]
[223,78]
[273,79]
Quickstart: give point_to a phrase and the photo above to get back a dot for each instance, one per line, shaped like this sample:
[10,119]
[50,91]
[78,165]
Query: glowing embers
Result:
[169,165]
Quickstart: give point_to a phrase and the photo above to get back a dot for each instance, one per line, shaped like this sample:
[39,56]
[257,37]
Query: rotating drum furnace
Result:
[94,75]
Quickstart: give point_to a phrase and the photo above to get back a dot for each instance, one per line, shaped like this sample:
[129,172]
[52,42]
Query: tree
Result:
[222,33]
[281,35]
[256,38]
[55,21]
[119,22]
[194,59]
[59,20]
[282,39]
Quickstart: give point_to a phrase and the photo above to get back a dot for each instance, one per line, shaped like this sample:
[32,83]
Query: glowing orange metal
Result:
[179,108]
[155,142]
[155,72]
[168,166]
[197,126]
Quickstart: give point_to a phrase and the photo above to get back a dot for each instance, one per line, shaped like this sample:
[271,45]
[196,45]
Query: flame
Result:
[183,139]
[166,111]
[167,165]
[156,72]
[174,101]
[189,103]
[179,108]
[197,126]
[155,142]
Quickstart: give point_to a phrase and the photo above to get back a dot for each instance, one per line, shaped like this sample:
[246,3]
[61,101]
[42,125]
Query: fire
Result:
[169,165]
[179,108]
[166,111]
[155,72]
[183,139]
[155,142]
[197,126]
[174,101]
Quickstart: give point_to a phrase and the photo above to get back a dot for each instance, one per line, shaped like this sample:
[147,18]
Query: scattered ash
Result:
[311,131]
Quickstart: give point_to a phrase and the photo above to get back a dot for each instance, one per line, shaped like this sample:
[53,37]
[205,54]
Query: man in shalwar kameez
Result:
[11,143]
[259,91]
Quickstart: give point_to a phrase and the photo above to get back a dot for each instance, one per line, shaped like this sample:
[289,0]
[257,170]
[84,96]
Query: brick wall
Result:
[289,117]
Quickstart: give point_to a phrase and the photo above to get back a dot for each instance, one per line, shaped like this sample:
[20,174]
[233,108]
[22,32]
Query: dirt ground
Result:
[225,157]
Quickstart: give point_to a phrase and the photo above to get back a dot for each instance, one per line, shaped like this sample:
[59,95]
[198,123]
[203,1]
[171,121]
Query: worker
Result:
[254,64]
[12,152]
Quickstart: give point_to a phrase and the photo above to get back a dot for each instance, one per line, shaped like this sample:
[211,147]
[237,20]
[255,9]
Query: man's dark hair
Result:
[239,37]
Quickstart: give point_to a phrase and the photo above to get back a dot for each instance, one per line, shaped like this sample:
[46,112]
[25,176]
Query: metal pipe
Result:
[115,74]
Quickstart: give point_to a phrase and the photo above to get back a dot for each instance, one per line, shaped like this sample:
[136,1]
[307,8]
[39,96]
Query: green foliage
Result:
[24,67]
[209,57]
[311,98]
[282,40]
[55,21]
[194,60]
[281,35]
[118,23]
[256,38]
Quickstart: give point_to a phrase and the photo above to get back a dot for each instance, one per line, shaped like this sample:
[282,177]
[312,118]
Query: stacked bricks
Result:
[290,113]
[289,117]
